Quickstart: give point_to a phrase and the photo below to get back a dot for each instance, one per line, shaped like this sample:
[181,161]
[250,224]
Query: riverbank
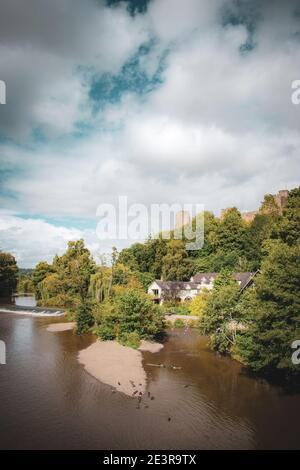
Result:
[188,320]
[58,327]
[119,366]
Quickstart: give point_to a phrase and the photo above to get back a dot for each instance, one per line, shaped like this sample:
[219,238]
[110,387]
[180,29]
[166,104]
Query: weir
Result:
[32,311]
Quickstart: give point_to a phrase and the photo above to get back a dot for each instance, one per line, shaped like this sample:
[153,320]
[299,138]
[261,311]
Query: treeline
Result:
[109,300]
[257,326]
[229,242]
[260,325]
[8,274]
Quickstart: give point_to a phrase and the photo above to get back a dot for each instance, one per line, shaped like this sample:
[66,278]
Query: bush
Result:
[199,303]
[106,331]
[103,310]
[178,323]
[169,308]
[132,340]
[84,318]
[193,323]
[137,313]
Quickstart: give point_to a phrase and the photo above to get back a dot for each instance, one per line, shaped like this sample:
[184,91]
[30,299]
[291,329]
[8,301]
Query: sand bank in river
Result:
[150,346]
[55,327]
[117,365]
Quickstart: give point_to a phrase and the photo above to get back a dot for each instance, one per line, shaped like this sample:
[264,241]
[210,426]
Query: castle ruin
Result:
[280,200]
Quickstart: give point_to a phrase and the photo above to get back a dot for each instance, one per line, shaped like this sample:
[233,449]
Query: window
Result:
[155,291]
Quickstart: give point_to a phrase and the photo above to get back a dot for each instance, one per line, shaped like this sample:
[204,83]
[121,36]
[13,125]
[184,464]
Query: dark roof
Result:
[176,285]
[242,278]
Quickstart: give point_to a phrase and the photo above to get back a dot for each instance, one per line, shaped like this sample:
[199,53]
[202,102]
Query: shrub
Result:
[178,323]
[199,303]
[192,323]
[132,340]
[106,331]
[137,313]
[169,308]
[84,318]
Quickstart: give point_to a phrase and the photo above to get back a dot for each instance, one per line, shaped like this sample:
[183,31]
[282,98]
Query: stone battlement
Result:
[280,199]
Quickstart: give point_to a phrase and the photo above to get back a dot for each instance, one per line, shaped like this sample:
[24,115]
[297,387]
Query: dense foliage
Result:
[8,274]
[129,317]
[25,284]
[66,282]
[273,312]
[256,325]
[259,325]
[229,242]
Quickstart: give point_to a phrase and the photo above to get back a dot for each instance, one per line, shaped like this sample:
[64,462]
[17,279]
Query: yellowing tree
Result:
[199,303]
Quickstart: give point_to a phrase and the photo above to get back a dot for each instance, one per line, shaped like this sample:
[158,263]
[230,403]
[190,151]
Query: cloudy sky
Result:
[163,101]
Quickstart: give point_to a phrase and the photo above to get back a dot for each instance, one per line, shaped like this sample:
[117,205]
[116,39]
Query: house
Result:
[183,291]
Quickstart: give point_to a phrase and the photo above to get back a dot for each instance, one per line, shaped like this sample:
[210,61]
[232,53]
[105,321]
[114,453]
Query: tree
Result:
[25,284]
[139,314]
[269,206]
[41,271]
[259,230]
[101,283]
[66,282]
[199,303]
[231,232]
[273,312]
[289,229]
[221,311]
[175,264]
[75,268]
[84,318]
[8,274]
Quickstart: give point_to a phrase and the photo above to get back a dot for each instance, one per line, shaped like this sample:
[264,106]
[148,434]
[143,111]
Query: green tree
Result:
[75,268]
[138,313]
[8,274]
[259,231]
[25,284]
[41,271]
[231,232]
[269,206]
[101,283]
[221,311]
[273,312]
[84,318]
[289,229]
[67,281]
[175,264]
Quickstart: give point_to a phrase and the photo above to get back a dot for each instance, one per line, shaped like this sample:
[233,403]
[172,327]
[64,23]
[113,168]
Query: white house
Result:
[183,291]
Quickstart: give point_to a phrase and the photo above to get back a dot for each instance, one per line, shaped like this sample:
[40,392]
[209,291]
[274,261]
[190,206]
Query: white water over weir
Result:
[31,311]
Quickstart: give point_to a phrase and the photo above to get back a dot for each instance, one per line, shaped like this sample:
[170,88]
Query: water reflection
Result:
[47,400]
[24,300]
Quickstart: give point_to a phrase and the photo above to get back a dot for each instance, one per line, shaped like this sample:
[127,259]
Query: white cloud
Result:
[220,130]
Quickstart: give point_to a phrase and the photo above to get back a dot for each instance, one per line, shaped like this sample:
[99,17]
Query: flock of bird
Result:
[139,394]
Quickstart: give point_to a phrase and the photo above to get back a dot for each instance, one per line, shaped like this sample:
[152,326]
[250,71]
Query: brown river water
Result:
[48,401]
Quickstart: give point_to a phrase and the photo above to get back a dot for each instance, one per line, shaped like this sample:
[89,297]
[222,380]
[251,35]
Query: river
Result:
[48,401]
